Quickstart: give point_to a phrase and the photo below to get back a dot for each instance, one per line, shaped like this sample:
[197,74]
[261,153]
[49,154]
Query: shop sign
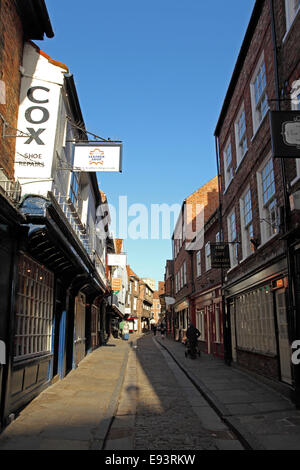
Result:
[116,284]
[285,133]
[100,157]
[220,257]
[38,117]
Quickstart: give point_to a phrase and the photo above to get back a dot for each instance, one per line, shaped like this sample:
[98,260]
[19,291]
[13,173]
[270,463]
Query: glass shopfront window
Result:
[255,328]
[34,309]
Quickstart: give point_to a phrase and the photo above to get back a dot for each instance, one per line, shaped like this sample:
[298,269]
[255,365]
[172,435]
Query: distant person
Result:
[121,326]
[154,327]
[192,334]
[126,330]
[163,330]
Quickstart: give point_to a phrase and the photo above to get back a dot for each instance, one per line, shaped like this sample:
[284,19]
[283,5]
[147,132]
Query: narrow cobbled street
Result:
[160,409]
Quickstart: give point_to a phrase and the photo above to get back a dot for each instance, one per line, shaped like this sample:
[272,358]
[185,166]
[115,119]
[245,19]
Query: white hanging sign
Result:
[103,157]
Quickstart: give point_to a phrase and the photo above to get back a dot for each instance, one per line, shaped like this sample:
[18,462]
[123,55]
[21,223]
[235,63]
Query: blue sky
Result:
[153,74]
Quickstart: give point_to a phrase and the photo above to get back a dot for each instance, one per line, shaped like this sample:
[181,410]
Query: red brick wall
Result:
[11,51]
[207,196]
[259,146]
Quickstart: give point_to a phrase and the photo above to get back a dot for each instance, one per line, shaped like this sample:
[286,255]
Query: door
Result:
[283,339]
[79,329]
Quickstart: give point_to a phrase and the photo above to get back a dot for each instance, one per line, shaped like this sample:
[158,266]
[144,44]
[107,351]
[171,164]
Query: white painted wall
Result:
[41,86]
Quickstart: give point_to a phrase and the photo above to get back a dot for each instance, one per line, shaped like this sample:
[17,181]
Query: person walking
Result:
[126,330]
[192,334]
[121,326]
[154,329]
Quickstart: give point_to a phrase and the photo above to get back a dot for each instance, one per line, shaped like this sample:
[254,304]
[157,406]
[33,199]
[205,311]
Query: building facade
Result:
[254,195]
[206,298]
[188,238]
[145,303]
[131,309]
[57,295]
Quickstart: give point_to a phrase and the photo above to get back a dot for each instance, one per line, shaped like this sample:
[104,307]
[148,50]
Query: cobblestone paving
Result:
[165,408]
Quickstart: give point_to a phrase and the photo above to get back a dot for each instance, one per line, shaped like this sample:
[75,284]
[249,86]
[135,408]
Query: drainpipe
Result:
[225,315]
[291,310]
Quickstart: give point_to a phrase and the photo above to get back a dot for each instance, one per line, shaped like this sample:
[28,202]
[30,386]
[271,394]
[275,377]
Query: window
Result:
[207,257]
[184,273]
[255,321]
[246,223]
[200,324]
[240,136]
[267,201]
[198,263]
[228,168]
[34,309]
[291,9]
[232,235]
[74,189]
[134,303]
[259,98]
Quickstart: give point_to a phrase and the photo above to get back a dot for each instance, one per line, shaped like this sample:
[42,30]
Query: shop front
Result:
[257,308]
[208,313]
[11,232]
[181,319]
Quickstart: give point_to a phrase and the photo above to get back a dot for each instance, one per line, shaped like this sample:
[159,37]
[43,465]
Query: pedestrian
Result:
[192,334]
[121,326]
[126,330]
[154,329]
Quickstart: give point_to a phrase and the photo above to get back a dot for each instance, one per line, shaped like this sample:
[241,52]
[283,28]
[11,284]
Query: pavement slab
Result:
[263,417]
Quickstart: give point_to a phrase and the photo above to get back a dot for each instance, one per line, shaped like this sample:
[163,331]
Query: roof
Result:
[35,19]
[130,272]
[52,61]
[240,61]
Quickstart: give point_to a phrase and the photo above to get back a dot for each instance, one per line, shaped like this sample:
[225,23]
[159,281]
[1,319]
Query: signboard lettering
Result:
[220,257]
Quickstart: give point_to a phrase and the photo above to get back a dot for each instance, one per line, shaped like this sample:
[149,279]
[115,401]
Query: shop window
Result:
[255,321]
[34,309]
[200,324]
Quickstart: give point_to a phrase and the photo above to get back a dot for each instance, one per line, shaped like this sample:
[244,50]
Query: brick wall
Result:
[11,50]
[207,196]
[259,147]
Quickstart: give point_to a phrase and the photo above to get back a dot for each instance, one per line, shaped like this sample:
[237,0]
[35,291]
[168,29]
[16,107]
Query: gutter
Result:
[35,19]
